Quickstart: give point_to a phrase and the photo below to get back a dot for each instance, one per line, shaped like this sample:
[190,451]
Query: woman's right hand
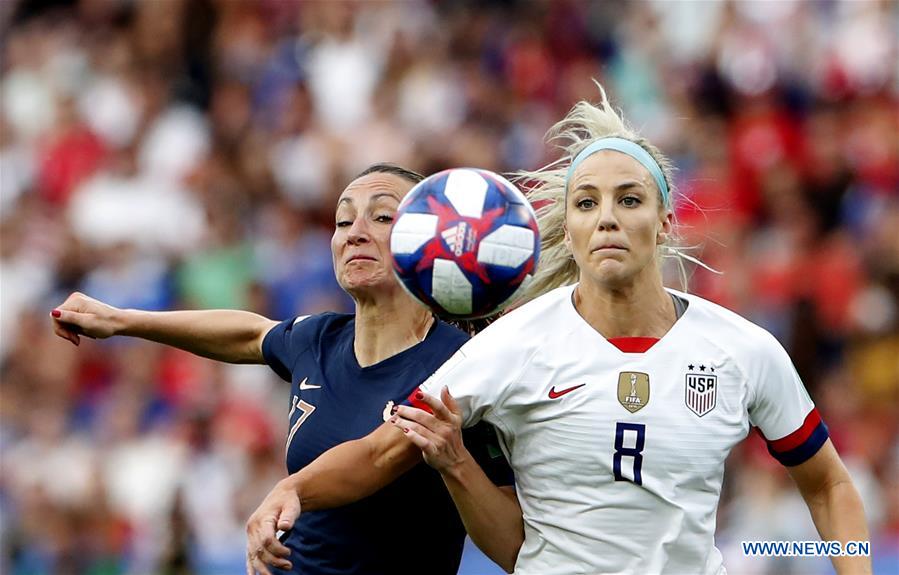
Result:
[82,315]
[437,434]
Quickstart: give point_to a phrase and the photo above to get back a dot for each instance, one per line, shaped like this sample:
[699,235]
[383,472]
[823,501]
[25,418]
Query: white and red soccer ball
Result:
[464,242]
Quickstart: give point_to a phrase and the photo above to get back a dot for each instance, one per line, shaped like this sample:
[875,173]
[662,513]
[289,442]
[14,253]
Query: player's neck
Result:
[639,310]
[386,328]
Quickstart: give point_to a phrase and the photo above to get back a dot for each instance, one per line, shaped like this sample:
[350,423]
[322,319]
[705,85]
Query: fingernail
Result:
[419,396]
[393,409]
[392,420]
[405,430]
[56,313]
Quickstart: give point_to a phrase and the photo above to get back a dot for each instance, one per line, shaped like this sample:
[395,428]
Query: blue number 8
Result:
[636,451]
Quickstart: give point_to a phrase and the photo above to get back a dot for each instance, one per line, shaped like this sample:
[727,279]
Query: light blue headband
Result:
[625,147]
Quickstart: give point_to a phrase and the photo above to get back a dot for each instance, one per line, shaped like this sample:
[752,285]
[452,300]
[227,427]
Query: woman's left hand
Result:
[278,511]
[438,435]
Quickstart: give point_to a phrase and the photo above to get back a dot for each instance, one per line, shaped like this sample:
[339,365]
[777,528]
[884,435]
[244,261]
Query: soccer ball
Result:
[464,242]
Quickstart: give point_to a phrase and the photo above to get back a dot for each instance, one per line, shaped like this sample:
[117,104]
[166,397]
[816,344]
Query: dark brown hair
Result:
[388,168]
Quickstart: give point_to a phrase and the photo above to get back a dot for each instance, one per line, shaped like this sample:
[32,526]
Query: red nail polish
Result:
[419,396]
[392,420]
[393,409]
[56,313]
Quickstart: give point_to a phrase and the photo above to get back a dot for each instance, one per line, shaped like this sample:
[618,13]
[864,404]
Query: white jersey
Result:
[619,457]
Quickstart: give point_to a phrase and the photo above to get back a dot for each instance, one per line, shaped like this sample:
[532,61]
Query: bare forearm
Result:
[839,516]
[492,515]
[224,335]
[354,470]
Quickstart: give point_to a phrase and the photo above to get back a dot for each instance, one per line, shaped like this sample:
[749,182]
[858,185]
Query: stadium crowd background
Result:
[169,153]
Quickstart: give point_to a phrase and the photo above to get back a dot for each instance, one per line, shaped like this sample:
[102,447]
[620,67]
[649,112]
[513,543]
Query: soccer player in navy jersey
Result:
[346,372]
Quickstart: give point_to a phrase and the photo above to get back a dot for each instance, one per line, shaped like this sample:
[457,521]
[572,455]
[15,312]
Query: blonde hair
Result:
[583,125]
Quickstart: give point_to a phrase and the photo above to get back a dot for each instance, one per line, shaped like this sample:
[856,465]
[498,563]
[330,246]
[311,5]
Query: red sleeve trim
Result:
[411,400]
[798,437]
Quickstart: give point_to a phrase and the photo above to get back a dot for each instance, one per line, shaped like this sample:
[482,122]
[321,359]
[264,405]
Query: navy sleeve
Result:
[280,346]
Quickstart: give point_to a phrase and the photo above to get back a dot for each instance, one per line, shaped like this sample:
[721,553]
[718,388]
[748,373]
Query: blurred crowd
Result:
[164,154]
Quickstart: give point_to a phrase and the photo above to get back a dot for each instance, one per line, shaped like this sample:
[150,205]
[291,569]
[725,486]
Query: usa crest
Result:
[701,392]
[633,390]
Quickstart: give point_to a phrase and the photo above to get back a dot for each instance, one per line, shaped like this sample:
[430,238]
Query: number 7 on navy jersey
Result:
[636,451]
[306,408]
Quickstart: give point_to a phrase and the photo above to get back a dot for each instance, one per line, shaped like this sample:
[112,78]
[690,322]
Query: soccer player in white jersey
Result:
[617,400]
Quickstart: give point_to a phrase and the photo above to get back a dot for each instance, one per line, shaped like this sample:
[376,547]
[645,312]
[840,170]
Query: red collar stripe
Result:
[633,344]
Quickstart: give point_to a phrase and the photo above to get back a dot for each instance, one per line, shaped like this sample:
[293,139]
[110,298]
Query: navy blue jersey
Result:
[410,526]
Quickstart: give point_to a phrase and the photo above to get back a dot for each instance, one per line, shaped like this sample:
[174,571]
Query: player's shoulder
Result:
[444,340]
[449,334]
[523,328]
[728,328]
[326,320]
[289,339]
[538,311]
[308,328]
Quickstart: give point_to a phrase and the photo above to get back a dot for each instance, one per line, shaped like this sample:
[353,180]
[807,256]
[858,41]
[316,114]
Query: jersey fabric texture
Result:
[619,456]
[334,400]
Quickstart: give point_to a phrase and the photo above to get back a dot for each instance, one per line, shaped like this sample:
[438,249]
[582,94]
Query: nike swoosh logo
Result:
[553,394]
[304,385]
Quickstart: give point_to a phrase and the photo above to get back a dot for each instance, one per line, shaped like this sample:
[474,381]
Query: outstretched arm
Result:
[345,473]
[491,514]
[834,503]
[223,335]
